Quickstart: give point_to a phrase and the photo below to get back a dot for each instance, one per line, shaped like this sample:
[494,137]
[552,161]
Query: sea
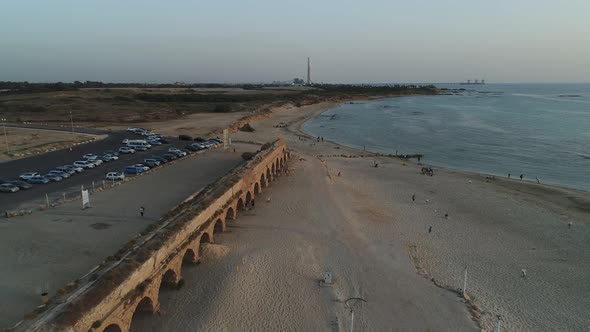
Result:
[539,130]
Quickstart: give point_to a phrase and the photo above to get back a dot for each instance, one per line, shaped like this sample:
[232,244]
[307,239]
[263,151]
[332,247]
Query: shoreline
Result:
[300,130]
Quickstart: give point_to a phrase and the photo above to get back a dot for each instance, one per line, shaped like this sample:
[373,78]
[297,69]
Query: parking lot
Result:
[44,163]
[47,249]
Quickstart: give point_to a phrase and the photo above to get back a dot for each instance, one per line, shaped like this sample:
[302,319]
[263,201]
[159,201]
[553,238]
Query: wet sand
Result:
[364,228]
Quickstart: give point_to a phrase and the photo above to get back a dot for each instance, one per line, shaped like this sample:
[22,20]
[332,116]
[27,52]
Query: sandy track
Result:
[275,254]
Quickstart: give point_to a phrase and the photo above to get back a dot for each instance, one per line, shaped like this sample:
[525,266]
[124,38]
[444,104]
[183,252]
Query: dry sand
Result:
[263,275]
[26,141]
[365,229]
[198,124]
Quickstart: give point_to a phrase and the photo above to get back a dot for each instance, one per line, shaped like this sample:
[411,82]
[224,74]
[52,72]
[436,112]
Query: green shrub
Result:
[247,155]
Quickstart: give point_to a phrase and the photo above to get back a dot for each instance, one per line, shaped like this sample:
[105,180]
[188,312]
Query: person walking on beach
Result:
[429,229]
[141,210]
[338,173]
[521,176]
[322,138]
[538,182]
[413,198]
[509,175]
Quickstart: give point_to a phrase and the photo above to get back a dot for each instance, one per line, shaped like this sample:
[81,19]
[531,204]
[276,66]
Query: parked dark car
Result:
[185,138]
[169,156]
[8,188]
[198,146]
[21,184]
[164,141]
[53,177]
[151,163]
[38,179]
[191,148]
[160,159]
[133,169]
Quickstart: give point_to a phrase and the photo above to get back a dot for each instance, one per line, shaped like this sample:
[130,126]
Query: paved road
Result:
[47,249]
[45,162]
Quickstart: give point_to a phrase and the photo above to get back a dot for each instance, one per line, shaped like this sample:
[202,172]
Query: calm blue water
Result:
[541,130]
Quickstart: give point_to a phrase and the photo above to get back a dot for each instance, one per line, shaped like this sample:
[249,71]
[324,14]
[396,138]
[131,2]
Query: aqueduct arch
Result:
[145,307]
[169,279]
[248,198]
[112,328]
[190,256]
[262,181]
[256,189]
[230,214]
[218,227]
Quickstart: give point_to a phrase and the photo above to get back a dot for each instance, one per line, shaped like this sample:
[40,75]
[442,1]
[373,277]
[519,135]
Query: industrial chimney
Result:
[308,72]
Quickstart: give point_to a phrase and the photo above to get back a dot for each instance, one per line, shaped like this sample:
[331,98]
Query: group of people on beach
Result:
[426,200]
[522,177]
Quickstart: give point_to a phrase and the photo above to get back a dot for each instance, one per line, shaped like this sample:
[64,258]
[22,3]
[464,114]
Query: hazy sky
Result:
[265,40]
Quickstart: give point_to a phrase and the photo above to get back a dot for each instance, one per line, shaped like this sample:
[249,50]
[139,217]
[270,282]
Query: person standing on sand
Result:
[413,198]
[509,175]
[538,182]
[521,176]
[338,173]
[429,229]
[141,210]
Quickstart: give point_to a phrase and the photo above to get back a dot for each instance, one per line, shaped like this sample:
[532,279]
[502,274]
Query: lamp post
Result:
[72,122]
[5,136]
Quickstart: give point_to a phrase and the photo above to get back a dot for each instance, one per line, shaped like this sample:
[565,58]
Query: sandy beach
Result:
[364,228]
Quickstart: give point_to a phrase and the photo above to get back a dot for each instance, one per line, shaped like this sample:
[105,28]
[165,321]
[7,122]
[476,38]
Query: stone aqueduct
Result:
[140,290]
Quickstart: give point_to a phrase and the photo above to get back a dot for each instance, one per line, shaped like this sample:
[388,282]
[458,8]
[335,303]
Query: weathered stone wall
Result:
[114,312]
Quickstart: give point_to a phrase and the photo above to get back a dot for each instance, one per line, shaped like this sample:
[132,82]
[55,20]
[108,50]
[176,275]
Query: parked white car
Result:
[126,149]
[85,164]
[29,175]
[142,167]
[115,176]
[75,168]
[177,151]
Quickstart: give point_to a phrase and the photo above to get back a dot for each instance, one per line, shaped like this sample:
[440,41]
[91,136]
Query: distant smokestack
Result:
[308,72]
